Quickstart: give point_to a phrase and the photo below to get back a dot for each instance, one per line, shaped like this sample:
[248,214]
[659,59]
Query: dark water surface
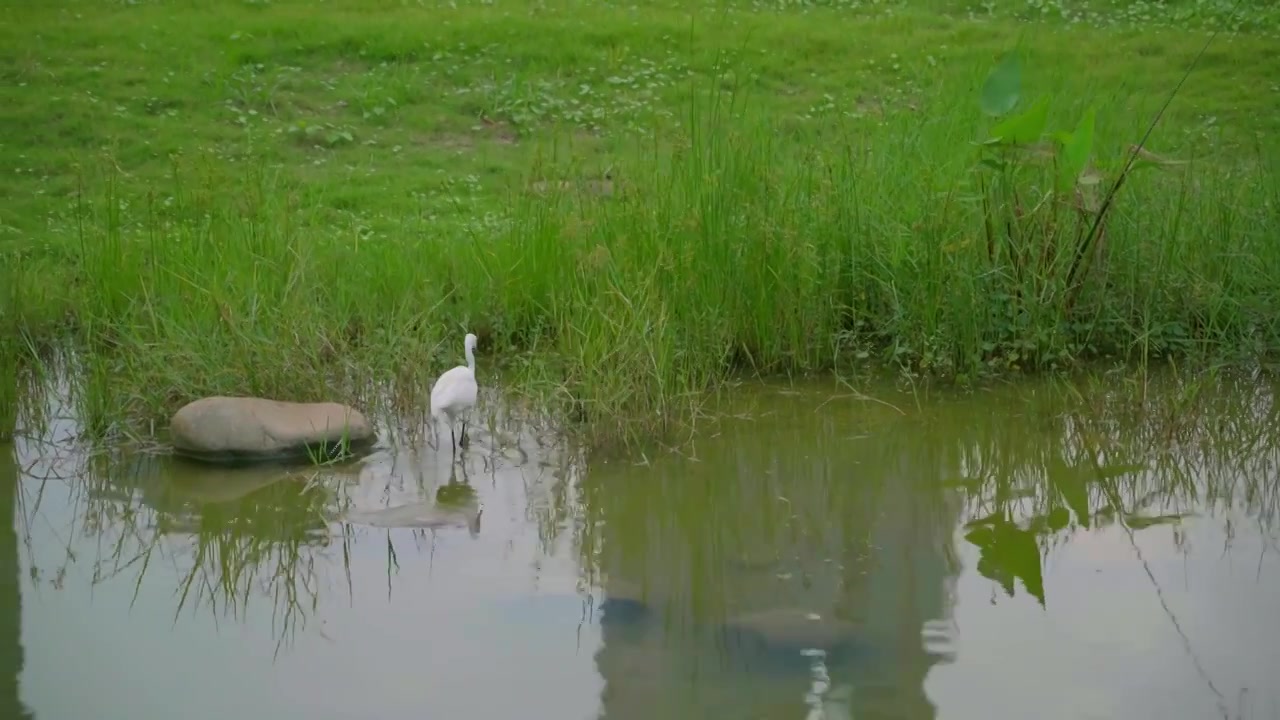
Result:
[1023,552]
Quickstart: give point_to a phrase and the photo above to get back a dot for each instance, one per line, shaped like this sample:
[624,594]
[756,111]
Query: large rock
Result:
[249,428]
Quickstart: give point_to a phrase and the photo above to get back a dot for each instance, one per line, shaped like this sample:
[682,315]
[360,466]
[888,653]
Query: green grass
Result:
[307,199]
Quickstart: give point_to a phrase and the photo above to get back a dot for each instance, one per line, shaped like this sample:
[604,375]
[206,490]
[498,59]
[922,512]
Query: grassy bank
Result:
[317,199]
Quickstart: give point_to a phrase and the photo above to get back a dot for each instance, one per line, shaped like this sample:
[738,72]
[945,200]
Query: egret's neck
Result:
[471,360]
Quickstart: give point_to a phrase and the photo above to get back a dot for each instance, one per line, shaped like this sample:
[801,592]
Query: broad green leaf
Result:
[1003,86]
[1024,128]
[982,536]
[991,570]
[1076,149]
[1052,522]
[1008,552]
[1058,518]
[1072,486]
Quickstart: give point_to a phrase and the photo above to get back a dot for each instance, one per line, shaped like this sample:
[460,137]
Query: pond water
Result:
[1023,551]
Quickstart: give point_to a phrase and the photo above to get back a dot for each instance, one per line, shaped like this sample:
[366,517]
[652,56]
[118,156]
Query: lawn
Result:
[629,202]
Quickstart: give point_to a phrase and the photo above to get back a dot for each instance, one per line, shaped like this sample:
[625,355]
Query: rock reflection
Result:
[231,537]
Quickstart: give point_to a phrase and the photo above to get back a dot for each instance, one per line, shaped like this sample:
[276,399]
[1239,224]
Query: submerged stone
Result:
[789,636]
[624,602]
[419,516]
[622,610]
[250,428]
[624,613]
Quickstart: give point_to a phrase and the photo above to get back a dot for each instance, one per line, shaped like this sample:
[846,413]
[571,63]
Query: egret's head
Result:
[470,341]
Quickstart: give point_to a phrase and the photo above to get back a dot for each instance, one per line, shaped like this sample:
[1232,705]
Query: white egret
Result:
[454,393]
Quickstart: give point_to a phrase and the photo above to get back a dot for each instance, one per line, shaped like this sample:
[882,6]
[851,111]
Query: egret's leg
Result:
[464,433]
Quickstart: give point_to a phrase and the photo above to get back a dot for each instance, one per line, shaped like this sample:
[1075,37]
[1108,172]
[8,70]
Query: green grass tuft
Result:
[628,203]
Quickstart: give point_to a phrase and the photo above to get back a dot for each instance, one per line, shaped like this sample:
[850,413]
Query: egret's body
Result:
[454,393]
